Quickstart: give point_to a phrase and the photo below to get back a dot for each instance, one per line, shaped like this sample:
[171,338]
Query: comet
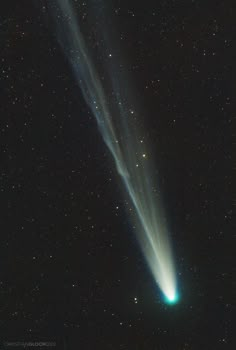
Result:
[117,122]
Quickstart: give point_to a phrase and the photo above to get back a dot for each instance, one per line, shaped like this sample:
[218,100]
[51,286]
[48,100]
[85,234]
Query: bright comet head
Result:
[172,298]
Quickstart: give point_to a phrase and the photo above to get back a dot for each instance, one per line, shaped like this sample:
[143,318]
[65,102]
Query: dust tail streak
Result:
[122,138]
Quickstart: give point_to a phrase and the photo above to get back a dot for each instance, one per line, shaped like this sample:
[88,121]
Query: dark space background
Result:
[70,266]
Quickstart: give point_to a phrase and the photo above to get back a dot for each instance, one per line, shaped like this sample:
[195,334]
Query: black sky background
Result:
[70,266]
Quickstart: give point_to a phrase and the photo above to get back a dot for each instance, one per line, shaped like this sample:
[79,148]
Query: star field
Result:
[71,267]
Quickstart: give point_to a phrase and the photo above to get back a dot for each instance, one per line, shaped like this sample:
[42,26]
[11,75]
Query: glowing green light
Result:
[173,299]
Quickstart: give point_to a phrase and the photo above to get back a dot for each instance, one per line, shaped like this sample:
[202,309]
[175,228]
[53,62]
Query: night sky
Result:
[71,269]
